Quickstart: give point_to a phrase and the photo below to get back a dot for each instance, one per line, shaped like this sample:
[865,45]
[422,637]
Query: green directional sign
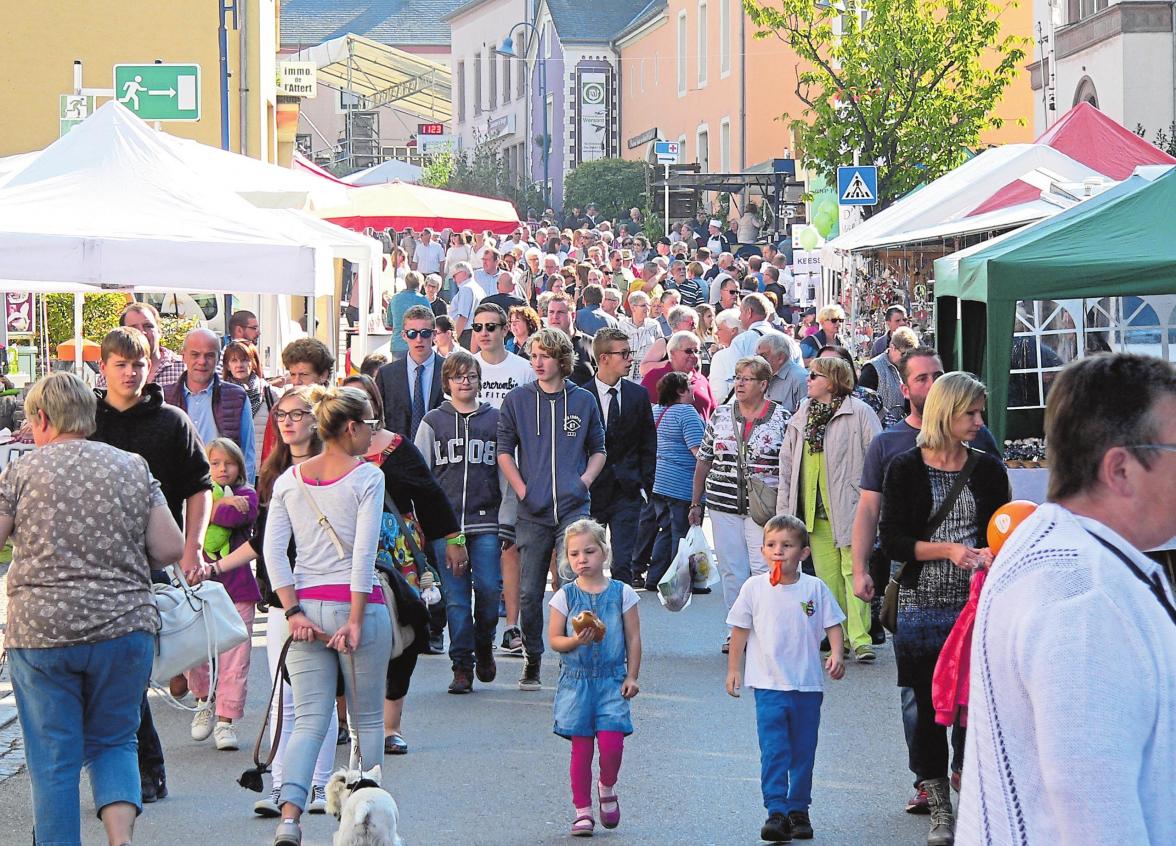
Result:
[159,92]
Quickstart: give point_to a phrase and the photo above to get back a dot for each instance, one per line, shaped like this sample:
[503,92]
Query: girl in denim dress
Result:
[597,678]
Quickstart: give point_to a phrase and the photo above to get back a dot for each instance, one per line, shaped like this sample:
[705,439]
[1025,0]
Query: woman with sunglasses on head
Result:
[331,506]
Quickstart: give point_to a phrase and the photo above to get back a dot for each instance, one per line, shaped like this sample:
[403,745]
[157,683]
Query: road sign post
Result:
[159,92]
[667,154]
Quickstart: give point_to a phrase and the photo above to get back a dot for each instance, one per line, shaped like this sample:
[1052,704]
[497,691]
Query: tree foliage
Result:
[1166,141]
[99,315]
[909,84]
[615,185]
[482,171]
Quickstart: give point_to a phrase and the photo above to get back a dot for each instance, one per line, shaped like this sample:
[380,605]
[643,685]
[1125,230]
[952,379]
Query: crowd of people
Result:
[559,417]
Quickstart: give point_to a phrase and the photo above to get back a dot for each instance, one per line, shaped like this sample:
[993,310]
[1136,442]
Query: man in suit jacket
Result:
[400,381]
[630,440]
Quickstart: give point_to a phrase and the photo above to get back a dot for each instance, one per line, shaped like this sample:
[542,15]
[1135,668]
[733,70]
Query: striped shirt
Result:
[679,430]
[720,446]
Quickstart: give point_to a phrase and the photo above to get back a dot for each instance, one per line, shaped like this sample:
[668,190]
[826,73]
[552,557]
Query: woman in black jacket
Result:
[940,546]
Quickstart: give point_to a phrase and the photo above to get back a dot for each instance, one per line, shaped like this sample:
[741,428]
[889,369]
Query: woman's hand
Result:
[629,687]
[302,629]
[457,558]
[965,557]
[346,639]
[694,515]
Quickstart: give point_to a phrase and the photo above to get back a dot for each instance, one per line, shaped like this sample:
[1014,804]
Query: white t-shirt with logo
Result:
[787,624]
[498,380]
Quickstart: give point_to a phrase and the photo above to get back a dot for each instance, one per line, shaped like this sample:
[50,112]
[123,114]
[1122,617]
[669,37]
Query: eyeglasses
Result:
[488,327]
[1161,447]
[690,351]
[813,376]
[836,319]
[413,334]
[466,378]
[743,380]
[375,423]
[296,415]
[621,353]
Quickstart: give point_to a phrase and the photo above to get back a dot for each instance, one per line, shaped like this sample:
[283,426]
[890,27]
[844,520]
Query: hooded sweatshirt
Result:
[555,435]
[460,450]
[164,436]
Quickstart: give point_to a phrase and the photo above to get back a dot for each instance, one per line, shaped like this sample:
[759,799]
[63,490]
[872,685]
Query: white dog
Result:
[367,816]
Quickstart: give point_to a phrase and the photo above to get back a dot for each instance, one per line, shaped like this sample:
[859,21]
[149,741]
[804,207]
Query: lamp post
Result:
[507,49]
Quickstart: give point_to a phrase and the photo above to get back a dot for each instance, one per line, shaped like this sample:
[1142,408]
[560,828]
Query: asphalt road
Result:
[486,769]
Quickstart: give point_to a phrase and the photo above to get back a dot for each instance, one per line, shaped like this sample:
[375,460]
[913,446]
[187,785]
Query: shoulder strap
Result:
[1153,584]
[957,487]
[321,518]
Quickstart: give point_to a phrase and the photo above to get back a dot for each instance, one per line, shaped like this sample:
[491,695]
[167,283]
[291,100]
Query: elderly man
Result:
[559,316]
[641,330]
[881,374]
[684,358]
[722,368]
[529,275]
[680,319]
[896,316]
[164,367]
[753,317]
[465,301]
[1075,618]
[831,318]
[621,276]
[610,302]
[217,409]
[724,267]
[506,292]
[789,385]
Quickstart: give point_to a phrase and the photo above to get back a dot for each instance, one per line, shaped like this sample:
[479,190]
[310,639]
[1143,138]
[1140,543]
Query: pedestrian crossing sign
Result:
[857,185]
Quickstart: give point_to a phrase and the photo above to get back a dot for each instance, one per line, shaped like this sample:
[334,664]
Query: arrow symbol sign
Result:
[171,92]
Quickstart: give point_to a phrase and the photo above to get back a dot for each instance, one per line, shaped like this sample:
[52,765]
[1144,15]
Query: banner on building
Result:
[19,314]
[592,136]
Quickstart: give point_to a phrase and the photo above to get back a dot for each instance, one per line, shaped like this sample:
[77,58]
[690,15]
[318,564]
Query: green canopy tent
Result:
[1119,243]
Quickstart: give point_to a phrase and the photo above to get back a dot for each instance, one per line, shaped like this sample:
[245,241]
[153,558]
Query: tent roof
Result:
[388,171]
[1087,135]
[383,76]
[112,205]
[398,205]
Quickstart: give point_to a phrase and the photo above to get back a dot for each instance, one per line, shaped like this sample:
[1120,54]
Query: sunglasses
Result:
[413,334]
[374,423]
[690,351]
[836,319]
[487,327]
[814,375]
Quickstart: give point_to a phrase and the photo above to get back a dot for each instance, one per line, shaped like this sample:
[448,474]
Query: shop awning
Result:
[383,76]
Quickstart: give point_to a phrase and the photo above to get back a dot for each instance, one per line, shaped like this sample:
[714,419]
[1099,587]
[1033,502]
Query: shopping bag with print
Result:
[704,570]
[674,589]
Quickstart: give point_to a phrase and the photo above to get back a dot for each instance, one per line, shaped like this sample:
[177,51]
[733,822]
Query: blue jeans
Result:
[471,624]
[79,705]
[620,516]
[314,670]
[536,543]
[673,522]
[787,722]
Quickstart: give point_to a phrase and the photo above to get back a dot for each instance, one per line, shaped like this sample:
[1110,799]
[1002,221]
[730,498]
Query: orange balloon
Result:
[1005,520]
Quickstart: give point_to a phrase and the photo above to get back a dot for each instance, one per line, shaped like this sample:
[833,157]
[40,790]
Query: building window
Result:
[702,46]
[681,54]
[505,79]
[547,39]
[1045,338]
[522,77]
[349,101]
[461,93]
[477,84]
[1079,10]
[725,145]
[492,67]
[724,37]
[1086,93]
[702,154]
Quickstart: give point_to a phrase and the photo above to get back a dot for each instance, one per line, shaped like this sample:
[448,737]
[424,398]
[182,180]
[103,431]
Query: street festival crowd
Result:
[562,406]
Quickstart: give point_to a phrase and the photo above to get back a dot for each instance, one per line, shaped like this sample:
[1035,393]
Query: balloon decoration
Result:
[1005,521]
[809,238]
[824,214]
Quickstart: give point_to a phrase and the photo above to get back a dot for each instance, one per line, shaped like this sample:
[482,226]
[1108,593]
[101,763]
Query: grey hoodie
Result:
[555,435]
[460,450]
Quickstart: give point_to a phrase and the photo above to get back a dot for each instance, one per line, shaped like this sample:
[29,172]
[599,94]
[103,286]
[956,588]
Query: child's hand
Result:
[629,687]
[835,666]
[238,502]
[585,637]
[734,682]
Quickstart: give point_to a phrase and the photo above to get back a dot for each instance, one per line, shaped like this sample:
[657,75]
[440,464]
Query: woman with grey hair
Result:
[87,522]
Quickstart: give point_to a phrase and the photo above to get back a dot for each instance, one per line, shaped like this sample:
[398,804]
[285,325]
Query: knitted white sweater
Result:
[1072,718]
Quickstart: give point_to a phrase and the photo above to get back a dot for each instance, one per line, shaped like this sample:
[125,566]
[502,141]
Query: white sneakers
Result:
[225,737]
[318,800]
[202,720]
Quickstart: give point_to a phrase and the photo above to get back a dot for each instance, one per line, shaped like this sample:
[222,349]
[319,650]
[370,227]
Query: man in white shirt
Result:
[1072,711]
[429,254]
[722,369]
[753,317]
[465,301]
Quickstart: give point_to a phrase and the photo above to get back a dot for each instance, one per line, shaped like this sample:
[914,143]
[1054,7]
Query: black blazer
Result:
[630,444]
[392,380]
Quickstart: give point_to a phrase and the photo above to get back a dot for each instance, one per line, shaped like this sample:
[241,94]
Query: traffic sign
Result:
[666,152]
[857,185]
[72,109]
[159,92]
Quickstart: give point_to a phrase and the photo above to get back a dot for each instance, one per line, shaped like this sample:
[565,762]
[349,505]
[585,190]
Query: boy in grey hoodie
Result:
[557,430]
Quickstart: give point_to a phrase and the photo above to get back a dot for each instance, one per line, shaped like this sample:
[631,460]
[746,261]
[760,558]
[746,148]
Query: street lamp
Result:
[508,49]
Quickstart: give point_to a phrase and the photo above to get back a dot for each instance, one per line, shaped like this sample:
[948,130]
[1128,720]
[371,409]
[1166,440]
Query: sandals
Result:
[610,808]
[583,825]
[394,744]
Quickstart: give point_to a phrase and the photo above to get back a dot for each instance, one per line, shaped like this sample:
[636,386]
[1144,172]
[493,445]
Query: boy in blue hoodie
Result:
[556,428]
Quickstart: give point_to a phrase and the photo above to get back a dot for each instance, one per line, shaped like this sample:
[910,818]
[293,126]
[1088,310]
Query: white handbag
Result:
[196,625]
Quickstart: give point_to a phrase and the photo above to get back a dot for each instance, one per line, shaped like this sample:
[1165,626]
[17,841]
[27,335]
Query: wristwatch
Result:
[292,610]
[456,540]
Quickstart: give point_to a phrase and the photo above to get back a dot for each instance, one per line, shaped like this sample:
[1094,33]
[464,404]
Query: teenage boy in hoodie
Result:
[557,430]
[457,441]
[133,416]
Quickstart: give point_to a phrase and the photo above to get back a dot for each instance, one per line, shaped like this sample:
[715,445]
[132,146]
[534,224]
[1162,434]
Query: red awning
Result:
[1087,135]
[399,205]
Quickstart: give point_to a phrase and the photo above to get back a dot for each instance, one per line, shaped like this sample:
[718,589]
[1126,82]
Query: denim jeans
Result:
[673,522]
[536,543]
[620,516]
[470,624]
[313,672]
[79,705]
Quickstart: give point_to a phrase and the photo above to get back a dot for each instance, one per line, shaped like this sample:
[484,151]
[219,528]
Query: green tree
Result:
[615,185]
[99,316]
[909,84]
[481,171]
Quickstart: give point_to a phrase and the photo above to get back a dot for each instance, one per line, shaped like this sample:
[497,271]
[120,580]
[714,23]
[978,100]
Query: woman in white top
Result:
[460,248]
[332,505]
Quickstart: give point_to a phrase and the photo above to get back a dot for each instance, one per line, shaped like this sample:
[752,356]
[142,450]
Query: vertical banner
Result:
[592,136]
[19,315]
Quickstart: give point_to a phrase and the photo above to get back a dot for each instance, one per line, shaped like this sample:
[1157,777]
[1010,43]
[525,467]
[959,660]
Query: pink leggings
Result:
[612,747]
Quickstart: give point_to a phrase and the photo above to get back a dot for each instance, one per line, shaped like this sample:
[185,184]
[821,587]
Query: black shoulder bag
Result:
[888,616]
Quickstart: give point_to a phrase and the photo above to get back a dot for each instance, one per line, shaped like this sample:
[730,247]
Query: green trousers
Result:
[834,567]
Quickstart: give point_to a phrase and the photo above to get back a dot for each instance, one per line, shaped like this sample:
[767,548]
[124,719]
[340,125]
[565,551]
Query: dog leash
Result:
[251,778]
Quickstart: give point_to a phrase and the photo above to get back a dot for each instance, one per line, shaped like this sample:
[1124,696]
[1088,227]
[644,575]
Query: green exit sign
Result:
[159,92]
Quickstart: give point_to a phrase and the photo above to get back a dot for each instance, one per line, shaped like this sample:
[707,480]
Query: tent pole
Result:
[78,304]
[365,306]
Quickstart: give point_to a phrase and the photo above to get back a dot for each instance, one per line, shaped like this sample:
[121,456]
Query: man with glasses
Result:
[831,318]
[461,308]
[630,440]
[411,386]
[684,352]
[1075,620]
[243,326]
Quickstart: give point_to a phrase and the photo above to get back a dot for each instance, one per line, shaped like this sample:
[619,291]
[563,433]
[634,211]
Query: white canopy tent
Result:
[392,170]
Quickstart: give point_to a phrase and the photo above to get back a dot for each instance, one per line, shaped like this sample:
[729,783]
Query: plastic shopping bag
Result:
[704,569]
[674,588]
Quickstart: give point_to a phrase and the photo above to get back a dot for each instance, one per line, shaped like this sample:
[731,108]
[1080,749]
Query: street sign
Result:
[430,144]
[159,92]
[298,79]
[666,152]
[72,109]
[857,185]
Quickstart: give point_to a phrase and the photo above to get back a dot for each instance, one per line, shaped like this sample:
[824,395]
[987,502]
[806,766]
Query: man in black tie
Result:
[411,386]
[630,445]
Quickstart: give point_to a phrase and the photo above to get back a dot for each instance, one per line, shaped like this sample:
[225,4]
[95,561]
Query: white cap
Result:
[716,224]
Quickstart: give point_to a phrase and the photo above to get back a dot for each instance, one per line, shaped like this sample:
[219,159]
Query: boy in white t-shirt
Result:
[780,618]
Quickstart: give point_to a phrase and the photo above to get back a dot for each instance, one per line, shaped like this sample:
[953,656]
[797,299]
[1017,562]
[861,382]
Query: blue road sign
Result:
[857,185]
[666,151]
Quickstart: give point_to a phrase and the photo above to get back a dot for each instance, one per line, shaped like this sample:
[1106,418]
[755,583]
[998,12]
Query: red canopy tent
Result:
[1088,136]
[399,205]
